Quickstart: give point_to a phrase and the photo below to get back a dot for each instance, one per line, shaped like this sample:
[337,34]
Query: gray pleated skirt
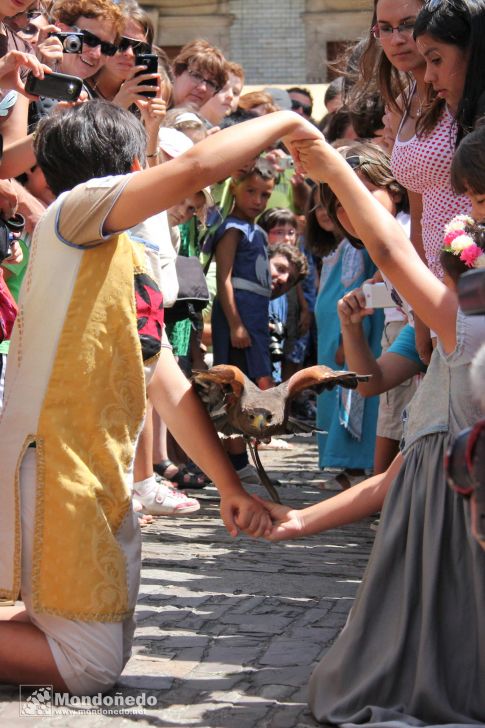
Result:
[413,650]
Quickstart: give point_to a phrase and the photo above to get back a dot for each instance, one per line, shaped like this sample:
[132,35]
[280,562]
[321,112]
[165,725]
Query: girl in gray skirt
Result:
[413,650]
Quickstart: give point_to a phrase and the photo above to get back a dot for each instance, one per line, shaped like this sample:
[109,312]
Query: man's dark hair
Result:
[94,139]
[237,117]
[335,88]
[302,91]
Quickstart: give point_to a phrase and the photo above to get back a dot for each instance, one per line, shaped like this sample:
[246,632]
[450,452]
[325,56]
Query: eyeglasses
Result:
[199,80]
[137,46]
[384,30]
[92,41]
[304,107]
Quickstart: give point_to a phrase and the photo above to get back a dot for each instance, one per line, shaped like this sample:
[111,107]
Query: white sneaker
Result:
[276,443]
[165,501]
[248,475]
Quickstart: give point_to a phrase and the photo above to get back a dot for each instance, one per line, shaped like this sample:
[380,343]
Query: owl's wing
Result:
[320,377]
[220,389]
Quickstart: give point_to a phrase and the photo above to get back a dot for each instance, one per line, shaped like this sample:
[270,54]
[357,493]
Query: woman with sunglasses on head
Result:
[95,25]
[27,25]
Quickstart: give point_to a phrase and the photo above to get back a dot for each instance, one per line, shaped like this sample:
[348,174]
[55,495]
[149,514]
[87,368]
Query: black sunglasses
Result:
[304,107]
[137,46]
[92,41]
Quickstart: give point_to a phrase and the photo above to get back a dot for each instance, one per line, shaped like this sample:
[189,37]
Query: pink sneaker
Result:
[165,501]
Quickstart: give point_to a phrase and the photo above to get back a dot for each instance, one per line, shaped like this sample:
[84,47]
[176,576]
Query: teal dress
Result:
[349,419]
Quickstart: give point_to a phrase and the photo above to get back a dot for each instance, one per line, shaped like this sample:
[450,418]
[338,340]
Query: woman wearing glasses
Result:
[200,72]
[427,123]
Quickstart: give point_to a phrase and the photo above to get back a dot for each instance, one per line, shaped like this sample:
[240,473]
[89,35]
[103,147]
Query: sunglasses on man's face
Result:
[138,46]
[92,41]
[304,107]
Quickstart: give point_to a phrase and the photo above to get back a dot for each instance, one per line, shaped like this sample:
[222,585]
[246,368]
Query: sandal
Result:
[183,479]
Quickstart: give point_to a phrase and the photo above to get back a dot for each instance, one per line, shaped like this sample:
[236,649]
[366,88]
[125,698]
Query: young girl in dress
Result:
[240,311]
[413,650]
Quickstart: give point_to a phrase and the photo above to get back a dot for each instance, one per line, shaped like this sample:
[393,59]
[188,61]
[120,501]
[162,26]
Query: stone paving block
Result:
[144,680]
[280,693]
[229,657]
[230,696]
[293,676]
[241,715]
[283,716]
[285,652]
[180,640]
[314,615]
[207,683]
[322,636]
[248,604]
[257,623]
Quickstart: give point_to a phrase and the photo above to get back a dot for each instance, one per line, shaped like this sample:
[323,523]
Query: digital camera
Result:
[71,42]
[9,231]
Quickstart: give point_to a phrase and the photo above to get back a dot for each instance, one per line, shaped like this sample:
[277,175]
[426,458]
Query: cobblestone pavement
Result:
[229,630]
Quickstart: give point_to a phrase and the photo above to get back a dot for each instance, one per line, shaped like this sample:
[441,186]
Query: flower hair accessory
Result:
[459,241]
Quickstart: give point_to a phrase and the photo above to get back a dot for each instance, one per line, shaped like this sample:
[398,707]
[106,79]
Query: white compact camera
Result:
[377,295]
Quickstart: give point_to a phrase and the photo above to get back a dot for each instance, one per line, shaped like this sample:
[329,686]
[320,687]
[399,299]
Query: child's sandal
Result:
[182,479]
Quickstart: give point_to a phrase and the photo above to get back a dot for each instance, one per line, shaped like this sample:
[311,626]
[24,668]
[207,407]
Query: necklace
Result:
[419,110]
[96,88]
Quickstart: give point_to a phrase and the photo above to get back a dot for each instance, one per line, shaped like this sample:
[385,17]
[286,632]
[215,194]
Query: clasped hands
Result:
[285,522]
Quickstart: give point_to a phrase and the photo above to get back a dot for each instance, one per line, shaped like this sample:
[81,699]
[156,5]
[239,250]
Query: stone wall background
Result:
[277,41]
[268,39]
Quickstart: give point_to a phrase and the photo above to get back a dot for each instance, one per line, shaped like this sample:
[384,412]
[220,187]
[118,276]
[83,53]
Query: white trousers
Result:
[90,656]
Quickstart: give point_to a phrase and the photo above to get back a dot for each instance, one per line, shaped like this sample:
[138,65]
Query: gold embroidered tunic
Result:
[75,386]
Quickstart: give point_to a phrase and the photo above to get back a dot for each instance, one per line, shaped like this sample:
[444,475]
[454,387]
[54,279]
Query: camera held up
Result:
[71,42]
[9,231]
